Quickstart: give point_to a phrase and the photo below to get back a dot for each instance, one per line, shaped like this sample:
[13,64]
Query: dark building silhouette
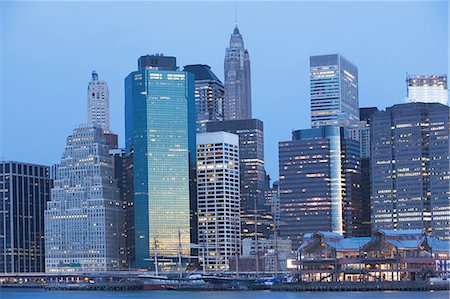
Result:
[365,114]
[209,93]
[24,192]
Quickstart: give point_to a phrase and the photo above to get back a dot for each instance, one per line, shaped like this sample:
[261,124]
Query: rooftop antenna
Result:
[235,13]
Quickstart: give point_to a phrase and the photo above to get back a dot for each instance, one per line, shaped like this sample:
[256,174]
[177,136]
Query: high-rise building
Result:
[255,217]
[98,102]
[124,177]
[334,90]
[237,101]
[272,199]
[410,168]
[319,183]
[360,131]
[208,95]
[363,129]
[218,199]
[24,192]
[427,89]
[160,135]
[84,219]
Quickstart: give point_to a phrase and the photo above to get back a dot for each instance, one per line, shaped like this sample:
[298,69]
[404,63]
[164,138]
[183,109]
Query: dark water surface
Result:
[43,294]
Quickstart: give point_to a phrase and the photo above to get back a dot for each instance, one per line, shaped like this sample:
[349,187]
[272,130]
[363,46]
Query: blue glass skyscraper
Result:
[334,90]
[160,136]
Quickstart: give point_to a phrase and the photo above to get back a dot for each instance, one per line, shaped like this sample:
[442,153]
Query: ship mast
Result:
[156,256]
[179,252]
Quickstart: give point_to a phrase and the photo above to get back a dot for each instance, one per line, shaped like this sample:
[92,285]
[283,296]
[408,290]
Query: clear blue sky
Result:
[48,50]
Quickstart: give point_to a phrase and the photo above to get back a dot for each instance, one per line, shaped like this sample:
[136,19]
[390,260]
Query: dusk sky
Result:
[48,50]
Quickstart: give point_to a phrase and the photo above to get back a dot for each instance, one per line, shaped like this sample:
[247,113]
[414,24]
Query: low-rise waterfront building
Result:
[386,256]
[272,254]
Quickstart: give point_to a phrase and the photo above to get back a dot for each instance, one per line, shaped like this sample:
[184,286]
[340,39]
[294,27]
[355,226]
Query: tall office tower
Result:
[255,217]
[84,219]
[24,192]
[272,199]
[208,95]
[319,183]
[410,168]
[124,178]
[218,199]
[334,90]
[160,134]
[365,115]
[123,173]
[98,102]
[238,99]
[427,89]
[360,131]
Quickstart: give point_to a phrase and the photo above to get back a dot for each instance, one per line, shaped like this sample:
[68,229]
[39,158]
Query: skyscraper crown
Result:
[236,40]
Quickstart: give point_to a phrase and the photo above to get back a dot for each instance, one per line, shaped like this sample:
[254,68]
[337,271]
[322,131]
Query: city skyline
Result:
[374,49]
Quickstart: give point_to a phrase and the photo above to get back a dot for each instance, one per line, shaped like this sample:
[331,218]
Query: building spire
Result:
[235,14]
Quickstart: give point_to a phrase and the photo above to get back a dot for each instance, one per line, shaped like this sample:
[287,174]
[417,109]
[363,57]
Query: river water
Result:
[43,294]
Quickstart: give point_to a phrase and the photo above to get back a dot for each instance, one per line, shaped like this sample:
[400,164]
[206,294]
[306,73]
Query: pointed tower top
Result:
[236,40]
[236,30]
[94,76]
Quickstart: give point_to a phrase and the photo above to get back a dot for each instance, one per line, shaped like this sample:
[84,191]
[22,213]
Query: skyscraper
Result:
[319,183]
[208,95]
[334,90]
[427,89]
[238,102]
[160,134]
[255,215]
[98,102]
[365,116]
[272,199]
[24,192]
[84,221]
[218,199]
[410,168]
[124,176]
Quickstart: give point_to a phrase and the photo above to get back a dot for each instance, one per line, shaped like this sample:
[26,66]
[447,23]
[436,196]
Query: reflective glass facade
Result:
[319,183]
[410,168]
[24,192]
[334,90]
[160,132]
[427,89]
